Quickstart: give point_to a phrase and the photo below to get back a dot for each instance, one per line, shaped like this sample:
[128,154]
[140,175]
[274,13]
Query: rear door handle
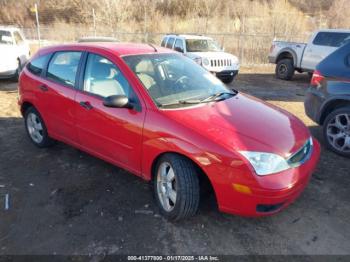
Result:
[86,105]
[43,88]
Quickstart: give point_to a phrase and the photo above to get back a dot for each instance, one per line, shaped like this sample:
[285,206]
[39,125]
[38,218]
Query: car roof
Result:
[120,49]
[9,28]
[184,36]
[334,30]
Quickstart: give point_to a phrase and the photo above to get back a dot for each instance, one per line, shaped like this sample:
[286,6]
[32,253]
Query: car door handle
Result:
[86,105]
[43,88]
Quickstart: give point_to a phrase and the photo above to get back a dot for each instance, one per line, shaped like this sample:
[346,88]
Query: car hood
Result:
[245,123]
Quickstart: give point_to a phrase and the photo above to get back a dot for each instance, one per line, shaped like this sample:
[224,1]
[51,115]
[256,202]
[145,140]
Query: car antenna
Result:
[155,49]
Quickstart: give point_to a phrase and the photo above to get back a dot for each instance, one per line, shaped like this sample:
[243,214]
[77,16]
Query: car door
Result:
[114,134]
[322,45]
[59,88]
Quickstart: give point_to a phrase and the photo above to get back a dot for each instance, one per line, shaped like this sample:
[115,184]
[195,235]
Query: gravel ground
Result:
[63,201]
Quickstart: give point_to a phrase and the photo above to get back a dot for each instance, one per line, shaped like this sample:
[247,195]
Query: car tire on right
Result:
[336,131]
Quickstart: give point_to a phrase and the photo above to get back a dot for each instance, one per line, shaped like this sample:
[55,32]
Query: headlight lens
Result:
[265,163]
[206,61]
[198,60]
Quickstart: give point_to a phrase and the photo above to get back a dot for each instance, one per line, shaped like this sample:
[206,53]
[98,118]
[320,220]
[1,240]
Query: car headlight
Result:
[198,60]
[265,163]
[206,61]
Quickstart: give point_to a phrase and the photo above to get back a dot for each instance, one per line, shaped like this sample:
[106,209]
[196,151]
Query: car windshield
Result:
[202,45]
[5,37]
[173,80]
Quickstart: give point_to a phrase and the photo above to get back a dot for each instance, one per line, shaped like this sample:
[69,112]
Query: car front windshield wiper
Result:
[218,96]
[214,97]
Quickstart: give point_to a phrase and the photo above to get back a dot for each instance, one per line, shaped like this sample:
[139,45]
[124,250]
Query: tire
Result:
[228,80]
[285,69]
[183,181]
[337,133]
[39,136]
[18,70]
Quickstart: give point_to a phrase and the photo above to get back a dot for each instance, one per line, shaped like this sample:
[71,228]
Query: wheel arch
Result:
[332,105]
[24,107]
[204,180]
[287,54]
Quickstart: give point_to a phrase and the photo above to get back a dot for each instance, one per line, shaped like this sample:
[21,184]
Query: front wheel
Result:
[176,187]
[18,70]
[336,131]
[228,80]
[285,69]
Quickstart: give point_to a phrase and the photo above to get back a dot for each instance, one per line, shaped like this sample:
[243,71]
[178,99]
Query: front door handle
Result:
[43,88]
[86,105]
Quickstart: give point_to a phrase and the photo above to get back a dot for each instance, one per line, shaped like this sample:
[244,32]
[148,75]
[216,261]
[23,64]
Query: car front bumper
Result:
[227,74]
[261,200]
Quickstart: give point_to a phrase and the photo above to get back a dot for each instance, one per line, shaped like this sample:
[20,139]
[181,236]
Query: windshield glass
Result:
[175,80]
[202,45]
[5,37]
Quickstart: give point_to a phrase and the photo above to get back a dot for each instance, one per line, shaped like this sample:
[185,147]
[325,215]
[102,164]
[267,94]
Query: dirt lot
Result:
[63,201]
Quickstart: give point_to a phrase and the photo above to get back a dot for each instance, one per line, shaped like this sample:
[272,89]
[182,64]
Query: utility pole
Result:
[94,20]
[37,23]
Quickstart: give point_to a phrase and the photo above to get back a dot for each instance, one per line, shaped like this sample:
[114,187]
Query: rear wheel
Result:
[36,128]
[176,187]
[336,131]
[285,69]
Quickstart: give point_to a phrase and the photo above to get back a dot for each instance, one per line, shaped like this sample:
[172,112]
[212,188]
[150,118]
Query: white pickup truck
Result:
[14,52]
[206,52]
[290,57]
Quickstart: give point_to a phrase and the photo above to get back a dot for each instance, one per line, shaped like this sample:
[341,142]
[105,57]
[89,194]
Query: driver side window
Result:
[103,78]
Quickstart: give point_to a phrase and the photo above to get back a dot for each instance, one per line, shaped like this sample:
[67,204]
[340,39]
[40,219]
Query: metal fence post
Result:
[37,23]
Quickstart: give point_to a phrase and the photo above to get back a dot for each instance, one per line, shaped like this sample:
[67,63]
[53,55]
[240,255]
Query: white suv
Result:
[14,52]
[206,52]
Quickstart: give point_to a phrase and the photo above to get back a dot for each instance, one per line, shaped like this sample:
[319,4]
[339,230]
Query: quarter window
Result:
[18,38]
[63,67]
[170,42]
[164,41]
[37,65]
[103,78]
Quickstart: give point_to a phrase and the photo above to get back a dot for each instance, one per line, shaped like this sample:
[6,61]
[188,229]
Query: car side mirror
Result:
[178,49]
[117,101]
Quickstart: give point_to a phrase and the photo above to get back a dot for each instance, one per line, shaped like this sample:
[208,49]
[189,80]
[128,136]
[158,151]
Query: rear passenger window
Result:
[63,67]
[103,78]
[37,65]
[332,39]
[164,41]
[170,42]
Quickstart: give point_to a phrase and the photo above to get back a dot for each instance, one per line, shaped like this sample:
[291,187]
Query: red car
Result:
[161,116]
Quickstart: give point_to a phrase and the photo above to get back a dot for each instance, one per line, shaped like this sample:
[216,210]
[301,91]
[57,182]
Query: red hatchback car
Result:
[164,118]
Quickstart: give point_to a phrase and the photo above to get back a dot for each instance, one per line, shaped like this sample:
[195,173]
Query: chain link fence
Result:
[252,49]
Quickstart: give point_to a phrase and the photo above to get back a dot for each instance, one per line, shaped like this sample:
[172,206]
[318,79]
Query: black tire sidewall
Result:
[325,125]
[175,213]
[290,69]
[47,141]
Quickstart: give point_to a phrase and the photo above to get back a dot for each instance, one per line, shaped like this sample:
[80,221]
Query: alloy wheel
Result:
[166,186]
[35,128]
[338,132]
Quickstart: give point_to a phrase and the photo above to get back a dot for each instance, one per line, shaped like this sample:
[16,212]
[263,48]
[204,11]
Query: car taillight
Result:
[316,79]
[271,48]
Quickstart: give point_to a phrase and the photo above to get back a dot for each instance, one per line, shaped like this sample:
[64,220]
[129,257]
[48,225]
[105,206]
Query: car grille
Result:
[302,155]
[220,62]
